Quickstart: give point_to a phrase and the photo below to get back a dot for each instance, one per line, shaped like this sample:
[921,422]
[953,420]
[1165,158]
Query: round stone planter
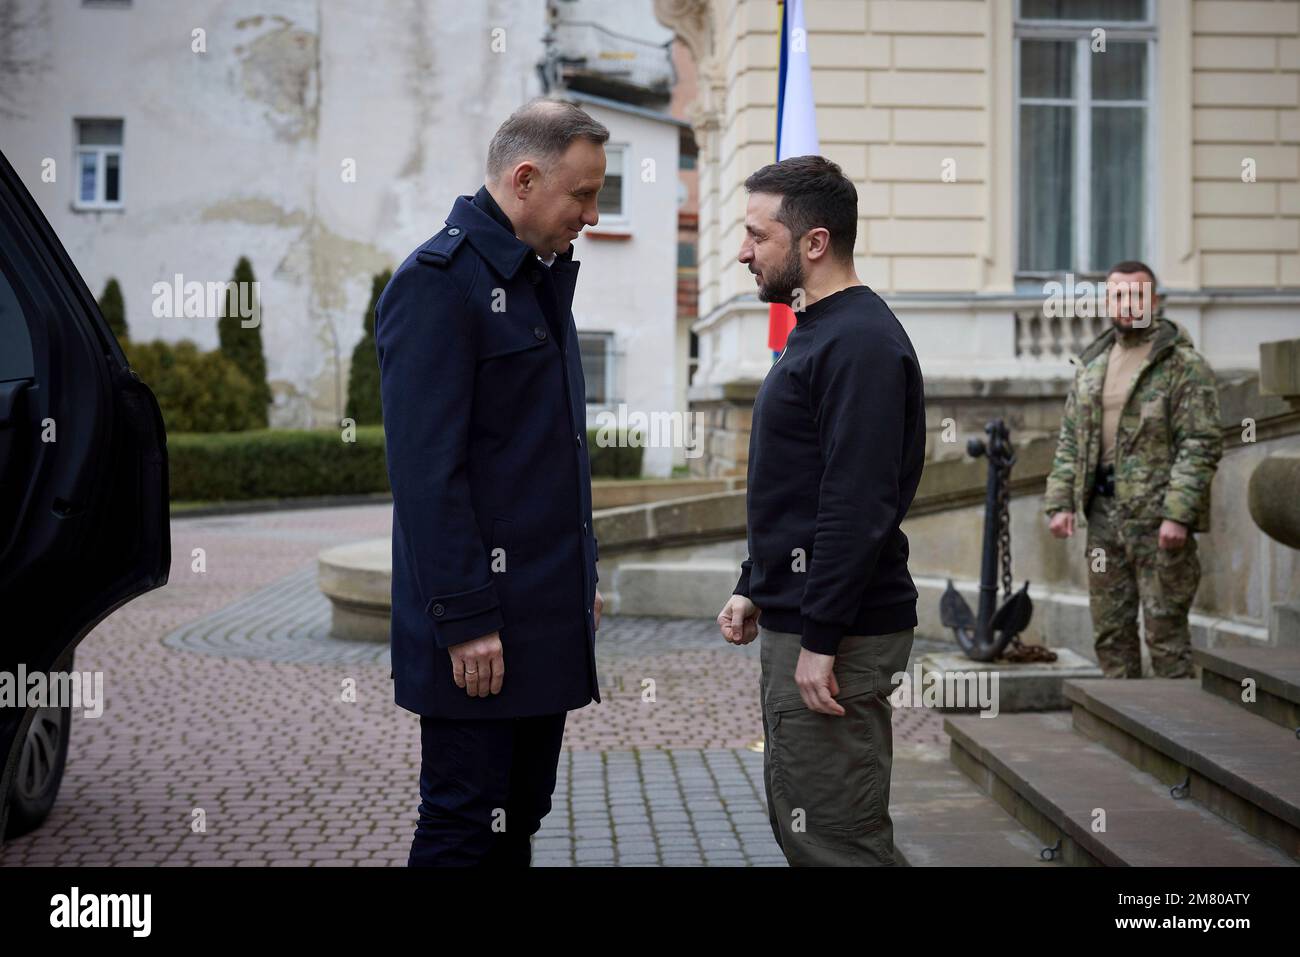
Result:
[357,579]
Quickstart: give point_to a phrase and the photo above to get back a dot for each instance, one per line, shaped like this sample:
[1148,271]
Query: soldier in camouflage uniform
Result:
[1138,448]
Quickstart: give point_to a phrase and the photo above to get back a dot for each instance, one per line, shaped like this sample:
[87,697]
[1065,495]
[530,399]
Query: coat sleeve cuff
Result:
[821,637]
[465,616]
[1054,502]
[1176,509]
[742,586]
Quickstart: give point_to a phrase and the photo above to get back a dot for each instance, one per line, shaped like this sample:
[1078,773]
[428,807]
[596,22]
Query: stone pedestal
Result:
[1284,624]
[734,358]
[1033,686]
[1275,484]
[357,579]
[724,416]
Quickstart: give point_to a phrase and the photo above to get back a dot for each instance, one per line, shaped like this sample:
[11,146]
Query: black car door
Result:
[83,463]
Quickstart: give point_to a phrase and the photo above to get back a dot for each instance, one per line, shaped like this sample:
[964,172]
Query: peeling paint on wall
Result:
[254,211]
[328,266]
[238,152]
[281,69]
[24,52]
[424,94]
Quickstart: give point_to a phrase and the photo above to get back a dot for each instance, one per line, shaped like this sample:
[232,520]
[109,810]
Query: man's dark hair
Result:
[1132,266]
[814,193]
[541,130]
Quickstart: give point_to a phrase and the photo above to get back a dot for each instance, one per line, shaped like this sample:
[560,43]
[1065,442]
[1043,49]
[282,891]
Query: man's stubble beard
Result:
[1133,333]
[781,286]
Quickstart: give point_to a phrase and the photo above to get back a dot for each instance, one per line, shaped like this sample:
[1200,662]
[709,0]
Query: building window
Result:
[598,366]
[1085,135]
[99,164]
[609,203]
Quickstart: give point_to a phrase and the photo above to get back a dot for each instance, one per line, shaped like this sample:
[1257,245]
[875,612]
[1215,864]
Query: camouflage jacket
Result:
[1168,443]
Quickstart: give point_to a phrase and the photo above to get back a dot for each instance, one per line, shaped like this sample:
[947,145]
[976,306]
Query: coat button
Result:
[539,332]
[578,439]
[534,276]
[584,526]
[454,231]
[438,610]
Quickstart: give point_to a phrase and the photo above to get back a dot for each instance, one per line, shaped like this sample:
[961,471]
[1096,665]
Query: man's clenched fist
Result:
[1061,524]
[738,620]
[1172,535]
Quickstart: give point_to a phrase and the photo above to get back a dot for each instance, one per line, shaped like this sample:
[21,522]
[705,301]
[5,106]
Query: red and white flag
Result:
[796,128]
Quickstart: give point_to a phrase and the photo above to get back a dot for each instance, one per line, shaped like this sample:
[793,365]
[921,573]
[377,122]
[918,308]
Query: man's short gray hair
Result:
[540,130]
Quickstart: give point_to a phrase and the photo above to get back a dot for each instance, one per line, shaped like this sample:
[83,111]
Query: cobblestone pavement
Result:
[235,732]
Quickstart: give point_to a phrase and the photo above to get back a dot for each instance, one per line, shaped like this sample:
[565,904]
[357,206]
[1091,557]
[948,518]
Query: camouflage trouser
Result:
[1130,570]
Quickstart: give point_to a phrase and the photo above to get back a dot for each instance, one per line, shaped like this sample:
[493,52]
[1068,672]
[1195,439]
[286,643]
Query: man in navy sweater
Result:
[835,455]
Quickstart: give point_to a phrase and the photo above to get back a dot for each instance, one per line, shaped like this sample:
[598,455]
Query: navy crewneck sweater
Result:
[836,449]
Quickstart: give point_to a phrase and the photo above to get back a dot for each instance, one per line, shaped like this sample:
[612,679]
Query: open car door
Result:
[83,488]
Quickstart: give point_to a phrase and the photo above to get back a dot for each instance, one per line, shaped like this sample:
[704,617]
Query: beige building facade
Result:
[999,147]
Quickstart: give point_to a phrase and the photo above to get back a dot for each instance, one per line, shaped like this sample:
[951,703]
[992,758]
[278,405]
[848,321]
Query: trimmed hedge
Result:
[288,463]
[275,463]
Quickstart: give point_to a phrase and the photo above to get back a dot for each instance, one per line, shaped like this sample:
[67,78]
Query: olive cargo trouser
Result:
[826,777]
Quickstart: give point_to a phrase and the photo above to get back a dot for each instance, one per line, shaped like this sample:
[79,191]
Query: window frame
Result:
[619,220]
[102,152]
[1148,22]
[607,336]
[1145,31]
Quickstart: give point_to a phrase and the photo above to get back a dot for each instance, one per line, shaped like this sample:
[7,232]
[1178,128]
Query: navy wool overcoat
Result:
[485,422]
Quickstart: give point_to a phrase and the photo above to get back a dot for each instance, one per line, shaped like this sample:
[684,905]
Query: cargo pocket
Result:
[1176,573]
[825,780]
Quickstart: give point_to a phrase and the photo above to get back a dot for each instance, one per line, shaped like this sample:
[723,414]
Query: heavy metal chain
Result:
[1015,651]
[1004,523]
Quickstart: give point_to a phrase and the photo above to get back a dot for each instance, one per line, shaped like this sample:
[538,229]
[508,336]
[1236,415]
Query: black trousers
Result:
[485,786]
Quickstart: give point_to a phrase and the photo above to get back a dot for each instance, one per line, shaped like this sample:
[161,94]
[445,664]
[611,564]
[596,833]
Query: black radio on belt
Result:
[1103,482]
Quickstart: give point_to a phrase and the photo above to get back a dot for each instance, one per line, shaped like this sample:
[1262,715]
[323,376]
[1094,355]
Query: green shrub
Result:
[288,463]
[276,463]
[364,406]
[114,309]
[614,461]
[243,345]
[198,391]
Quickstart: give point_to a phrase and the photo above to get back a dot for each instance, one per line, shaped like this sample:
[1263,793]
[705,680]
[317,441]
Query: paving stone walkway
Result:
[235,732]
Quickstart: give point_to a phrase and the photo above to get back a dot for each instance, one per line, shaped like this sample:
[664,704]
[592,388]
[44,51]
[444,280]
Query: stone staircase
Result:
[1153,771]
[690,588]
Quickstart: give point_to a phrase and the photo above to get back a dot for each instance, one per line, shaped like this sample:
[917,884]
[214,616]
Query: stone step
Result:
[1276,675]
[1243,768]
[697,588]
[1054,780]
[942,820]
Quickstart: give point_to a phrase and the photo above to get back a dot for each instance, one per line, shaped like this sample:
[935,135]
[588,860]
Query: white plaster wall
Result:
[629,286]
[238,151]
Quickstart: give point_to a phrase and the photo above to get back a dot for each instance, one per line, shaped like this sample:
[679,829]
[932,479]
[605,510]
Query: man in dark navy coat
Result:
[494,605]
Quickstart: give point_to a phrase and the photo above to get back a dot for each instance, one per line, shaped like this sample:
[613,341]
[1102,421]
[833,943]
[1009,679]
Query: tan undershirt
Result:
[1121,365]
